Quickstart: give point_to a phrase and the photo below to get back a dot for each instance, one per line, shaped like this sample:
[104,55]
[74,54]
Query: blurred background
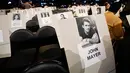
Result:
[6,4]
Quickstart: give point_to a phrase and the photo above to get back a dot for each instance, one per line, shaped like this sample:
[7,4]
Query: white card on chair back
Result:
[44,18]
[88,31]
[15,21]
[82,11]
[98,55]
[5,48]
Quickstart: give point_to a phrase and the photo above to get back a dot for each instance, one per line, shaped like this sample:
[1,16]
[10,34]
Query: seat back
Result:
[46,67]
[46,36]
[50,53]
[35,18]
[20,39]
[46,31]
[33,26]
[23,52]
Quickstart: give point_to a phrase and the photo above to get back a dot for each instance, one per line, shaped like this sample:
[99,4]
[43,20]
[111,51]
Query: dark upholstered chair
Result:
[46,67]
[21,48]
[33,26]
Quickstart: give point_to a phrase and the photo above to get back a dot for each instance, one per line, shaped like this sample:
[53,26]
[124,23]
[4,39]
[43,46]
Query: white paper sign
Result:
[91,54]
[82,11]
[1,36]
[44,18]
[16,21]
[69,39]
[91,48]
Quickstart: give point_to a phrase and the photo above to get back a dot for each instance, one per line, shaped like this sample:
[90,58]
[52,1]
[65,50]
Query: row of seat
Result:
[35,52]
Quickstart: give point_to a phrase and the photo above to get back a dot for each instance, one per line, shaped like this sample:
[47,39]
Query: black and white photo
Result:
[98,10]
[88,31]
[16,17]
[62,16]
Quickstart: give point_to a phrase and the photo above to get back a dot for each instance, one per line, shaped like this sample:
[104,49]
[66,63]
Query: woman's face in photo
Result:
[16,17]
[86,26]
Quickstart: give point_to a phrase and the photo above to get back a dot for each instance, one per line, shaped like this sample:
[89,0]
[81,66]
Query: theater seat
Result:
[35,18]
[46,31]
[46,67]
[21,48]
[33,26]
[50,53]
[46,36]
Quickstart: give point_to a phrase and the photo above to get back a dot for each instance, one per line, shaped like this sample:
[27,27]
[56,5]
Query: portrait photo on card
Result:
[16,21]
[87,31]
[62,16]
[16,17]
[98,10]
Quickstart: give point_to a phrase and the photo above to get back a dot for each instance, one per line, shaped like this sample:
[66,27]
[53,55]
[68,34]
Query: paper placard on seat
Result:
[82,11]
[44,18]
[5,48]
[16,21]
[91,48]
[100,53]
[1,36]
